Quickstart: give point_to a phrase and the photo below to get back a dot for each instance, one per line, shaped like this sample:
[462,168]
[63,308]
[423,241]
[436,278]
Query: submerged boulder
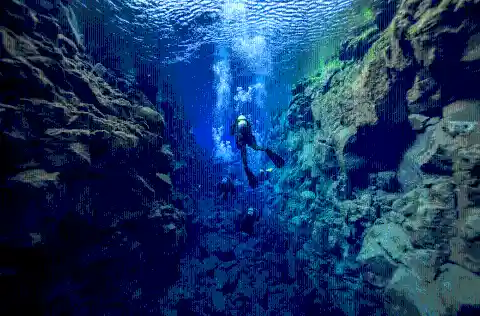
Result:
[453,291]
[383,249]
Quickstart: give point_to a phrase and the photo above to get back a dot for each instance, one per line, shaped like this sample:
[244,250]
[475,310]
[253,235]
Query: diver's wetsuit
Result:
[248,221]
[226,187]
[242,130]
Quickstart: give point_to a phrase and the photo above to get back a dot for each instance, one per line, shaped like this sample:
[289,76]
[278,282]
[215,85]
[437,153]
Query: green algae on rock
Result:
[358,45]
[403,122]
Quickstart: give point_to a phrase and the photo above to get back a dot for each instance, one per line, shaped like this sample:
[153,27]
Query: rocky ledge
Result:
[385,172]
[87,221]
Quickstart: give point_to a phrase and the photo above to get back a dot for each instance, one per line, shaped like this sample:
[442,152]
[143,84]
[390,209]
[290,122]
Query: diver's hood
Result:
[241,118]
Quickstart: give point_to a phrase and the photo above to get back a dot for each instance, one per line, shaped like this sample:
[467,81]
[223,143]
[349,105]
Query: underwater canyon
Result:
[111,167]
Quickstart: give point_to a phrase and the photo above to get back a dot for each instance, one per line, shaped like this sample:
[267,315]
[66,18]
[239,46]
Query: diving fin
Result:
[275,158]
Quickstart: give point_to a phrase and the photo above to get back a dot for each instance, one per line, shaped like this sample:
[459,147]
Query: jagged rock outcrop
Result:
[438,213]
[398,217]
[357,45]
[300,112]
[85,189]
[394,66]
[384,11]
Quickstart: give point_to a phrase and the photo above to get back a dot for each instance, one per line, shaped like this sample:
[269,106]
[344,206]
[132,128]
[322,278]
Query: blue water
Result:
[215,60]
[366,157]
[220,57]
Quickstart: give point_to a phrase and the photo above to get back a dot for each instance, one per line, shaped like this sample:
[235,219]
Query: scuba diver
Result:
[248,220]
[226,187]
[242,130]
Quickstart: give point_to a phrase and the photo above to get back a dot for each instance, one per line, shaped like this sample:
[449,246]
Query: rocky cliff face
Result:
[87,221]
[389,163]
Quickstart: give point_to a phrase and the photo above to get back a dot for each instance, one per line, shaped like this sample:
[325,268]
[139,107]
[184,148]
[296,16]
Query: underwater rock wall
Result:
[385,170]
[87,221]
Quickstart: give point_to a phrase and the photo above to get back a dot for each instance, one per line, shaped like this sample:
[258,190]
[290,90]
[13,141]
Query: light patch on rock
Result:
[38,178]
[384,248]
[218,301]
[458,286]
[165,178]
[81,150]
[309,195]
[409,295]
[472,50]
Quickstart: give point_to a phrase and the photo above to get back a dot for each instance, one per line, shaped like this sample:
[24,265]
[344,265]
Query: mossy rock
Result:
[379,46]
[384,11]
[356,47]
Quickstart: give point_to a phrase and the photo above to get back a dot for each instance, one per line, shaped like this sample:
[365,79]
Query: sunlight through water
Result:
[255,29]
